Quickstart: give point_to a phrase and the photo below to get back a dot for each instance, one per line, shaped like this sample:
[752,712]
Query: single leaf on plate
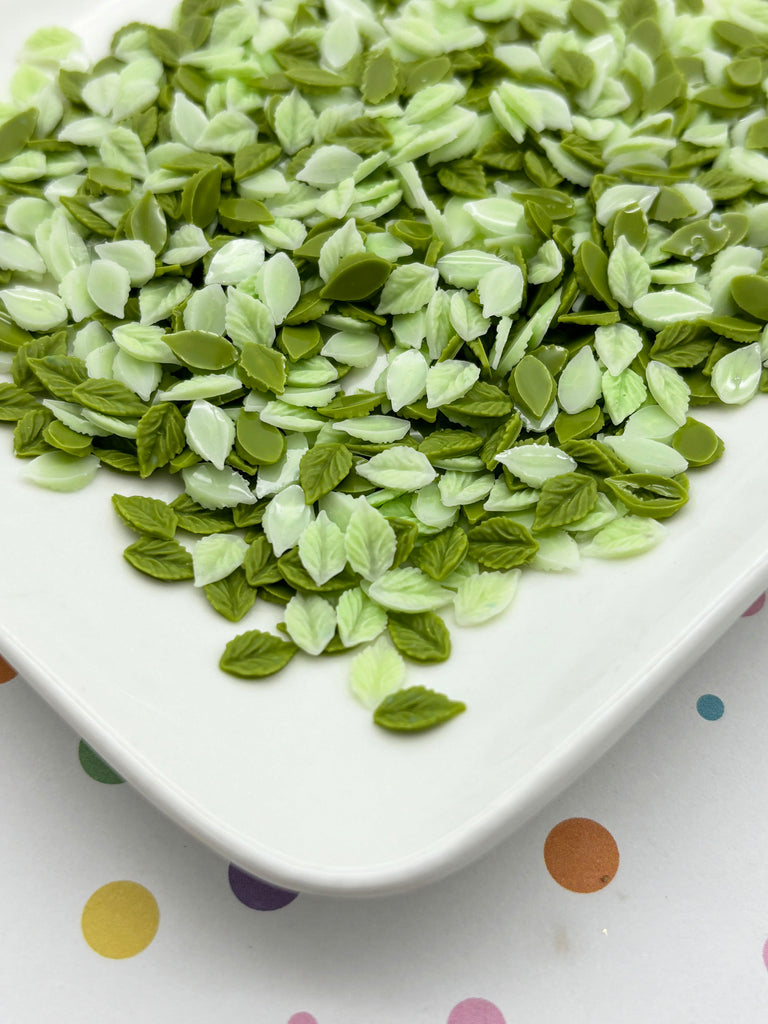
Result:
[422,637]
[256,654]
[416,709]
[146,515]
[161,559]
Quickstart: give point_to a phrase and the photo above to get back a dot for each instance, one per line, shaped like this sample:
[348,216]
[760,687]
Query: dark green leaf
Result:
[256,654]
[123,462]
[28,439]
[423,637]
[415,709]
[482,401]
[294,574]
[109,397]
[260,565]
[160,437]
[501,543]
[14,403]
[646,494]
[59,374]
[594,455]
[322,468]
[565,499]
[16,133]
[146,515]
[447,444]
[441,554]
[195,519]
[345,407]
[231,597]
[161,559]
[406,534]
[201,196]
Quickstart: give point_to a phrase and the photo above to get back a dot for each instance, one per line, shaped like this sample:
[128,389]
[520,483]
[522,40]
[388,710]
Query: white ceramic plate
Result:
[288,777]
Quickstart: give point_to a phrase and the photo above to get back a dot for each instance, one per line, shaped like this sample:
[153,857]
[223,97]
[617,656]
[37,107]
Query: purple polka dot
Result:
[755,607]
[259,895]
[476,1011]
[302,1018]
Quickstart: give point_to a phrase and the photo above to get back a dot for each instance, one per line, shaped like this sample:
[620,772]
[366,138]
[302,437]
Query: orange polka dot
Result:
[581,855]
[7,671]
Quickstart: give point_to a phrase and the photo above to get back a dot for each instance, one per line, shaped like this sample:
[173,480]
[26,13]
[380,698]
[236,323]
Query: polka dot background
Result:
[636,895]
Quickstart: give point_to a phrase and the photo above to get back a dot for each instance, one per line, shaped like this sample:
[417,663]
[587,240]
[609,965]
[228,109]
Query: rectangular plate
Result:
[288,777]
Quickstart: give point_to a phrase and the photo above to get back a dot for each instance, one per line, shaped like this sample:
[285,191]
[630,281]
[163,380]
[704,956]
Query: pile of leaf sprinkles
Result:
[407,298]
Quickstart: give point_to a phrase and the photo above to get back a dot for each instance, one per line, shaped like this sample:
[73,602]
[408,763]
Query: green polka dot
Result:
[95,767]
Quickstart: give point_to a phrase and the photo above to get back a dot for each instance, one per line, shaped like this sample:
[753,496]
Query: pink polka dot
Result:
[476,1011]
[765,954]
[755,607]
[302,1018]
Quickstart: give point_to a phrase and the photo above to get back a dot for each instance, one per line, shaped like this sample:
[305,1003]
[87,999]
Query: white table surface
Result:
[677,935]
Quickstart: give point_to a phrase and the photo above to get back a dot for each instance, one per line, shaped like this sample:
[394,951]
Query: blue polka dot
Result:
[710,707]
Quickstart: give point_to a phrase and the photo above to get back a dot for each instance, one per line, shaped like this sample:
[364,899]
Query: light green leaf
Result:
[483,596]
[285,518]
[203,385]
[580,383]
[501,289]
[33,308]
[358,619]
[369,542]
[406,378]
[376,672]
[158,299]
[356,348]
[344,242]
[408,289]
[248,319]
[623,394]
[121,149]
[294,122]
[328,166]
[109,286]
[399,468]
[210,432]
[558,552]
[643,455]
[377,429]
[736,377]
[450,380]
[186,245]
[227,132]
[659,309]
[408,590]
[458,488]
[135,256]
[466,318]
[629,276]
[57,471]
[625,537]
[321,549]
[217,488]
[235,261]
[617,345]
[216,556]
[281,286]
[311,622]
[668,389]
[534,464]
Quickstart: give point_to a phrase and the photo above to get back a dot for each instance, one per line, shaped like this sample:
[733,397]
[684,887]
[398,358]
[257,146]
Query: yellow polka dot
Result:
[120,919]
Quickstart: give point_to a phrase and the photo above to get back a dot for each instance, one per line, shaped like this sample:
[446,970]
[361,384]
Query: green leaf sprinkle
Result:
[255,654]
[423,637]
[416,709]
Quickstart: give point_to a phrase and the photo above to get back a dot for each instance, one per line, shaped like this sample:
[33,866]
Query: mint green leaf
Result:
[358,619]
[399,468]
[629,276]
[311,622]
[408,590]
[369,541]
[408,289]
[483,596]
[376,672]
[625,538]
[321,549]
[216,556]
